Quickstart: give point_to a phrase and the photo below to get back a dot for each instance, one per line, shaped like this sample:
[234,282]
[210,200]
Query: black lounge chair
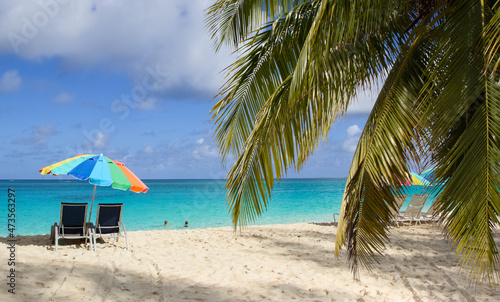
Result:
[72,224]
[108,222]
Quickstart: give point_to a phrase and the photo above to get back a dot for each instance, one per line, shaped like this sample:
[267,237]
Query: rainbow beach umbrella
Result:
[415,180]
[429,174]
[431,177]
[100,171]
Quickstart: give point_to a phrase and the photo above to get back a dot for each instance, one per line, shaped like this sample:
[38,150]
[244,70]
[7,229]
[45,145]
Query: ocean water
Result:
[201,202]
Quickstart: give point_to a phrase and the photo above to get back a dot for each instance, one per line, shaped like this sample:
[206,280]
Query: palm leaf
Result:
[465,137]
[492,36]
[380,163]
[231,21]
[304,121]
[267,59]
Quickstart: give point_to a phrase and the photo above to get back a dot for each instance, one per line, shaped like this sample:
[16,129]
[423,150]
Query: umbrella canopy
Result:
[428,174]
[415,180]
[100,171]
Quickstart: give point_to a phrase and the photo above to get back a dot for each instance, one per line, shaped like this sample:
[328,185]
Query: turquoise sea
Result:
[201,202]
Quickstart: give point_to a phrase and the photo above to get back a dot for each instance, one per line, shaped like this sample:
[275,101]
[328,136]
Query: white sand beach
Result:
[263,263]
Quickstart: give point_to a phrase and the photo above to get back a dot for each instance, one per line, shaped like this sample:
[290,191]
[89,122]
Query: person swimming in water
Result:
[186,224]
[166,222]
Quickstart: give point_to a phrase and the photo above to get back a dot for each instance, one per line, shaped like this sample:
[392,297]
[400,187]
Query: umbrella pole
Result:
[90,215]
[92,203]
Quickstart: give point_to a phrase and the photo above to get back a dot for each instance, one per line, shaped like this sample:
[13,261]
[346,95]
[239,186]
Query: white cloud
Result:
[101,140]
[37,136]
[362,105]
[147,104]
[10,81]
[353,130]
[205,152]
[351,141]
[121,36]
[366,97]
[184,158]
[63,98]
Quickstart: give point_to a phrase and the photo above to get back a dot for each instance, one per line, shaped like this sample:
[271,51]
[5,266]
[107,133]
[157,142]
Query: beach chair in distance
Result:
[430,215]
[400,199]
[72,224]
[109,222]
[415,206]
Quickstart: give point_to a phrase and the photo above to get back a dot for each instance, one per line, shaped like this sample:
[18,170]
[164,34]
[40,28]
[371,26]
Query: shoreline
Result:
[169,228]
[280,262]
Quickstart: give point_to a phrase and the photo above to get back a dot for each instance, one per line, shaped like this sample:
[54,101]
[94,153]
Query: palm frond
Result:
[378,22]
[492,37]
[251,178]
[307,120]
[389,142]
[267,59]
[231,21]
[465,137]
[380,163]
[470,201]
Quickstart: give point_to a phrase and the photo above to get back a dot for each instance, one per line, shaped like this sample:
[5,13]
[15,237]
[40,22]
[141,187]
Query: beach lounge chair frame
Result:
[414,209]
[72,224]
[335,214]
[430,215]
[109,222]
[400,200]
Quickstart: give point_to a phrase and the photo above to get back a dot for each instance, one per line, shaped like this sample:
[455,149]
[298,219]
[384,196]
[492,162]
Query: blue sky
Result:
[134,80]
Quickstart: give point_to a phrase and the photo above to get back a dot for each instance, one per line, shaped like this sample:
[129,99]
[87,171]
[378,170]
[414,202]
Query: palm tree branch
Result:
[231,21]
[465,134]
[379,163]
[256,75]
